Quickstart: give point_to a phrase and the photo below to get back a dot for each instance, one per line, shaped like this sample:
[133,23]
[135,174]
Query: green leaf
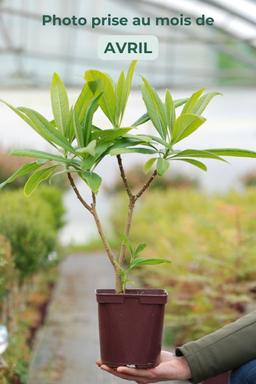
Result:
[70,127]
[190,104]
[127,242]
[138,262]
[62,172]
[87,123]
[196,163]
[180,102]
[129,77]
[170,110]
[105,85]
[149,164]
[162,166]
[120,98]
[128,84]
[208,154]
[44,156]
[102,149]
[185,125]
[60,104]
[22,171]
[83,102]
[37,178]
[77,129]
[203,102]
[143,138]
[89,149]
[109,134]
[123,90]
[119,151]
[142,120]
[92,179]
[145,118]
[42,126]
[131,141]
[155,108]
[140,139]
[140,248]
[158,140]
[233,152]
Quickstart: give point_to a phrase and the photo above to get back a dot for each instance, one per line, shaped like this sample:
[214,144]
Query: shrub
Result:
[7,272]
[211,242]
[53,196]
[249,179]
[30,226]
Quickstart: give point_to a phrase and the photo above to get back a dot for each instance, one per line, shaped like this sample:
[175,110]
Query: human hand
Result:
[170,367]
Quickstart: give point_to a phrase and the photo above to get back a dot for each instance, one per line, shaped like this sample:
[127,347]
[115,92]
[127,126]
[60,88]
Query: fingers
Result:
[136,372]
[140,376]
[115,373]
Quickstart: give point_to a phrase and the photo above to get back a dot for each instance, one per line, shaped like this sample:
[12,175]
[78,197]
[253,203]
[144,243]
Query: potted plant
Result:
[130,320]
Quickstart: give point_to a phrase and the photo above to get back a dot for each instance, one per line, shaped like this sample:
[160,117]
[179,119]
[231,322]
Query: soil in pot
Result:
[130,326]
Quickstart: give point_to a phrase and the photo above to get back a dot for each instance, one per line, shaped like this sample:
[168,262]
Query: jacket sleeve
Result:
[226,349]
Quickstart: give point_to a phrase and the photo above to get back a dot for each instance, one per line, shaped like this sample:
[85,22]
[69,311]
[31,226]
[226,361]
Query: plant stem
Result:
[92,209]
[132,201]
[123,176]
[127,229]
[146,185]
[102,233]
[118,285]
[80,198]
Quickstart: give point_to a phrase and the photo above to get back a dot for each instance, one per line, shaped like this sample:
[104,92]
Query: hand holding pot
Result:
[170,367]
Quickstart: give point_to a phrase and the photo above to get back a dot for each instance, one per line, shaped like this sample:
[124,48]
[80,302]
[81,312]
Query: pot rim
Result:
[133,292]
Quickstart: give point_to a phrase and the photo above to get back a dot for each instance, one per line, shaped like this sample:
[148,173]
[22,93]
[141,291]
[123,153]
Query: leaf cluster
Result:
[80,145]
[135,260]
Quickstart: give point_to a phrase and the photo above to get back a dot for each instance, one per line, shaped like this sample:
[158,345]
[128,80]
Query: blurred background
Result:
[207,228]
[221,57]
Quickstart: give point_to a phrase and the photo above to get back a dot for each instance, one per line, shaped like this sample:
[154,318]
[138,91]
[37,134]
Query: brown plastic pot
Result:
[130,326]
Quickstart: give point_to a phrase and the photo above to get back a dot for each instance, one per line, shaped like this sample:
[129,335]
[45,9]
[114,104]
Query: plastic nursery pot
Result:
[130,326]
[220,379]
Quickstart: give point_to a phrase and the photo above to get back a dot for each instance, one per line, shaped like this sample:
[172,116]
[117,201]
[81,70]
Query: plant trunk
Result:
[119,288]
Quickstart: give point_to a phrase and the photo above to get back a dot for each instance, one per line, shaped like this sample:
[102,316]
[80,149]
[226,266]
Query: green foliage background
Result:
[211,242]
[28,234]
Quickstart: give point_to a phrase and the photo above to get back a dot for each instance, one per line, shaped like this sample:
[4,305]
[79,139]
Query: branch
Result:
[92,209]
[132,201]
[93,200]
[80,198]
[101,233]
[127,229]
[146,185]
[123,176]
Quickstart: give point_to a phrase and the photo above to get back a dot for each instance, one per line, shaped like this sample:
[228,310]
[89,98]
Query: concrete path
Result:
[67,346]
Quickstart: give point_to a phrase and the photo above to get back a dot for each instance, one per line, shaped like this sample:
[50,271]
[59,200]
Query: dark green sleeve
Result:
[223,350]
